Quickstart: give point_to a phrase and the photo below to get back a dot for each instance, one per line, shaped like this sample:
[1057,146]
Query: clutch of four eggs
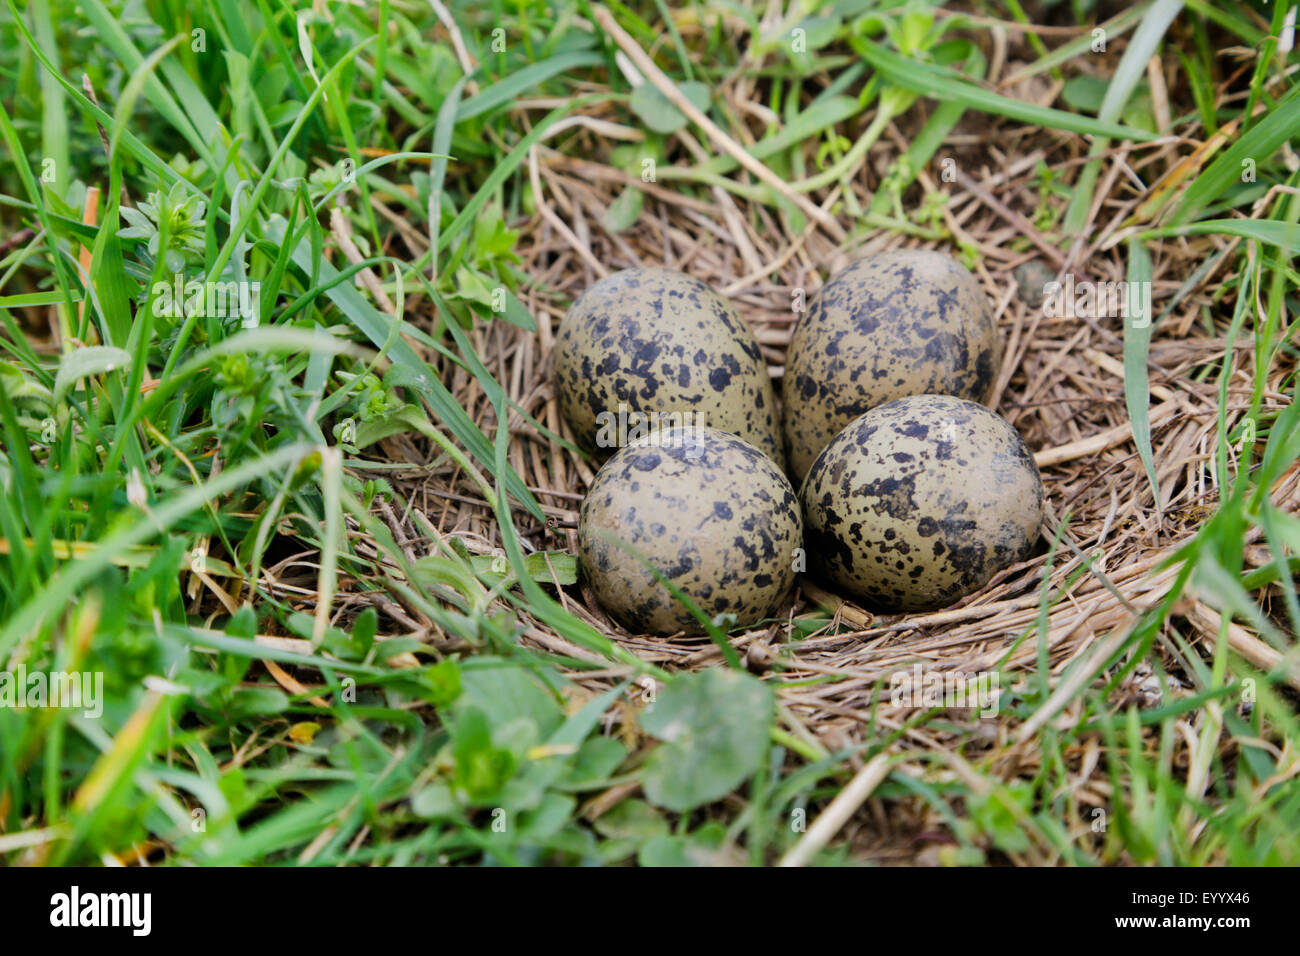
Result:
[913,494]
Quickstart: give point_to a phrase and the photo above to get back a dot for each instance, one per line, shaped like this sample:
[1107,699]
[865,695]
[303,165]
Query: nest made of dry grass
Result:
[1061,386]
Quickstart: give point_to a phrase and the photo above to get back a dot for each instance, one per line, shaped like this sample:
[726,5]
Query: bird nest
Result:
[1110,546]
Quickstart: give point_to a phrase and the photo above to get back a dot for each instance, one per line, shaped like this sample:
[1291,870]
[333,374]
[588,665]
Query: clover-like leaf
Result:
[714,725]
[657,112]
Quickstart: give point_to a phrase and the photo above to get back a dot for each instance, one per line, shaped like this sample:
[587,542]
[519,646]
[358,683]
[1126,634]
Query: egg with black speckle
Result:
[920,502]
[709,511]
[905,322]
[646,348]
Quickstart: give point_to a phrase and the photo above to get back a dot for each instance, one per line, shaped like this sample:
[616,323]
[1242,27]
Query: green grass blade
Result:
[378,328]
[1272,232]
[1256,145]
[509,88]
[948,85]
[1131,69]
[1137,341]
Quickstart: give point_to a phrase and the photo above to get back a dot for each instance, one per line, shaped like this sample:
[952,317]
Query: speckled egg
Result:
[907,322]
[919,502]
[658,341]
[709,511]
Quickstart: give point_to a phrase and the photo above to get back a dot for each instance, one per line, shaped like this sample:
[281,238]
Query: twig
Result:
[839,810]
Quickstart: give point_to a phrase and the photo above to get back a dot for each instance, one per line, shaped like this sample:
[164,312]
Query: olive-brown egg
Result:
[707,510]
[906,322]
[919,502]
[646,348]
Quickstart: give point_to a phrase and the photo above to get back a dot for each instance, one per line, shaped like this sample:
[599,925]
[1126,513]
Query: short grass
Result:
[320,551]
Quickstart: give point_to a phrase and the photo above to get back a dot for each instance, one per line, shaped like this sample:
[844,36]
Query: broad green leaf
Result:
[595,762]
[632,820]
[435,802]
[516,313]
[714,726]
[407,418]
[546,819]
[1084,92]
[443,681]
[704,847]
[625,210]
[504,691]
[257,701]
[660,115]
[482,768]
